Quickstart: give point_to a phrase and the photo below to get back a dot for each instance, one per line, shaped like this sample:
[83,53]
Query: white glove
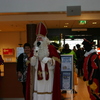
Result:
[33,61]
[46,59]
[27,62]
[36,51]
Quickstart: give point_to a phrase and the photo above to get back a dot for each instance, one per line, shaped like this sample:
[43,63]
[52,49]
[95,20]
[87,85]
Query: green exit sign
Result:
[82,22]
[71,36]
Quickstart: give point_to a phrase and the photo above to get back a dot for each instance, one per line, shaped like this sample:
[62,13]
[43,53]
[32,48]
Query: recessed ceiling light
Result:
[94,22]
[65,26]
[67,23]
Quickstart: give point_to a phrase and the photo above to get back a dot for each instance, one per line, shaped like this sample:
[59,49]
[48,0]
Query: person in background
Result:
[1,63]
[80,57]
[67,50]
[1,60]
[74,49]
[22,64]
[46,62]
[91,70]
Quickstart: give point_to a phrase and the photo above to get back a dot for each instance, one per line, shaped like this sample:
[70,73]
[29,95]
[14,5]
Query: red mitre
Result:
[41,29]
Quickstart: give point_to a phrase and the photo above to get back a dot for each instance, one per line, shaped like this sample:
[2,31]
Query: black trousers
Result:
[24,88]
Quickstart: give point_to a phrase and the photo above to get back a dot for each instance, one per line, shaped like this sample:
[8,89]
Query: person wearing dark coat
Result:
[80,57]
[22,65]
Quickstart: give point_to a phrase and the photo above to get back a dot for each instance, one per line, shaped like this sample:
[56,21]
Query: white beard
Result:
[43,49]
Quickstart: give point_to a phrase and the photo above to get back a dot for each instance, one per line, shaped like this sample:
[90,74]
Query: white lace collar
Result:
[88,53]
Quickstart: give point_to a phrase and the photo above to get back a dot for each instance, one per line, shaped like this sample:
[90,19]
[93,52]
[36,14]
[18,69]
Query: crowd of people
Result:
[44,59]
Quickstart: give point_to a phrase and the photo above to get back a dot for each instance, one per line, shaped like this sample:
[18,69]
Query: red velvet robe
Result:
[56,84]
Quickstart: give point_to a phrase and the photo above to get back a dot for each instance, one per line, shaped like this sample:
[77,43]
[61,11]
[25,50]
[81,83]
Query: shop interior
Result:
[61,29]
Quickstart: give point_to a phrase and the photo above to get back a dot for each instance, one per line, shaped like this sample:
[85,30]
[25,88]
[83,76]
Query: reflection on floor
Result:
[82,93]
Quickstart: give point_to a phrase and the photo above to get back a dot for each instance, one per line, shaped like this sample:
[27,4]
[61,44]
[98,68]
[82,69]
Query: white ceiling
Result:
[18,21]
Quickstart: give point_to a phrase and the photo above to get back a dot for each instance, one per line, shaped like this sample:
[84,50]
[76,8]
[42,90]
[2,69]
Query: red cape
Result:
[56,84]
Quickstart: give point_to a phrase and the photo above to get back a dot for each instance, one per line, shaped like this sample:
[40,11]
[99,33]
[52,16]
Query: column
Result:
[31,36]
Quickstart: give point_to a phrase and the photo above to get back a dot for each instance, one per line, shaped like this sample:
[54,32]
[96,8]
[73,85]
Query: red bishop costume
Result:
[46,72]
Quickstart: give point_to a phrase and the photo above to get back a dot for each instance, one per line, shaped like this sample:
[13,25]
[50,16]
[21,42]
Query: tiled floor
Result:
[67,96]
[82,93]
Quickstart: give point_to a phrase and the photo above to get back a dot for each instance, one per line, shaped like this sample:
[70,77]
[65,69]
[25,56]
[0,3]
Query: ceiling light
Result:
[65,26]
[67,23]
[94,22]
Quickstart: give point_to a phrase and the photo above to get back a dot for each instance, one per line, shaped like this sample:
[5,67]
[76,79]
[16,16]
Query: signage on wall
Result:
[19,50]
[8,51]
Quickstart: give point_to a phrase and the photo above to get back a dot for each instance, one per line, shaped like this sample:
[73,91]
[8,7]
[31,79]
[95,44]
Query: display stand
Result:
[67,74]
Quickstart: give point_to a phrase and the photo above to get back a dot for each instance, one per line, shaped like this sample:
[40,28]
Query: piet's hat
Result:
[88,42]
[41,29]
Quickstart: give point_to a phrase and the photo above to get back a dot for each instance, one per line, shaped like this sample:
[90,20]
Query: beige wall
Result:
[11,40]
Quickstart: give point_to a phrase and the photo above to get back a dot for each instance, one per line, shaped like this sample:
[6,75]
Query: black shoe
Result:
[64,91]
[74,91]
